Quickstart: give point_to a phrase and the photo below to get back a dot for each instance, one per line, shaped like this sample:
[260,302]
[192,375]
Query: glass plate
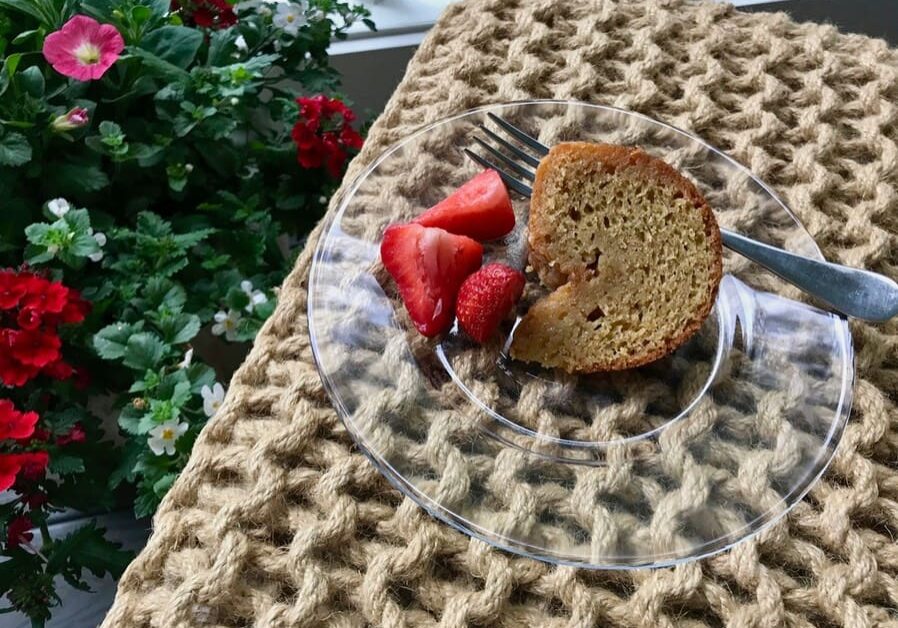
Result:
[648,467]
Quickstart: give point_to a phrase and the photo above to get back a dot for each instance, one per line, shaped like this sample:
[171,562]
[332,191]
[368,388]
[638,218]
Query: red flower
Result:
[334,156]
[11,290]
[75,435]
[310,108]
[34,463]
[29,318]
[35,348]
[309,149]
[13,373]
[75,308]
[10,464]
[351,138]
[207,13]
[58,370]
[36,499]
[324,135]
[19,532]
[82,379]
[15,424]
[40,435]
[45,296]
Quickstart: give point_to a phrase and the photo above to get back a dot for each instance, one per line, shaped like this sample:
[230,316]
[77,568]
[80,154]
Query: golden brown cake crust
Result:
[612,158]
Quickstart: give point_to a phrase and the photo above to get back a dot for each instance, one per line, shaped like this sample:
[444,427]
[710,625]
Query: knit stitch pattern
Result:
[279,520]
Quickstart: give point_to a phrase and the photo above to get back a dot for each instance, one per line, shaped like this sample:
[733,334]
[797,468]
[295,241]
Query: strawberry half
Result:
[429,265]
[479,209]
[486,297]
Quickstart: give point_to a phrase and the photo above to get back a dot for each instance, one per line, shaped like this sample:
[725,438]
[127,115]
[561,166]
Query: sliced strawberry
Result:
[479,209]
[486,297]
[429,265]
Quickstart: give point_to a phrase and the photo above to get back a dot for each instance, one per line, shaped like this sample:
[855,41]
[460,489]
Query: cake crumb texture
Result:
[632,251]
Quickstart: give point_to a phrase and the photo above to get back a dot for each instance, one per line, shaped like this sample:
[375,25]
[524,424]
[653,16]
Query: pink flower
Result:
[83,49]
[74,119]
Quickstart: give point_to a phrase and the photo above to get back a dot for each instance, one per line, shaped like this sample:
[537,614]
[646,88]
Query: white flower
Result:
[235,101]
[307,55]
[188,358]
[226,323]
[212,398]
[290,16]
[322,199]
[100,237]
[240,43]
[256,297]
[59,207]
[163,437]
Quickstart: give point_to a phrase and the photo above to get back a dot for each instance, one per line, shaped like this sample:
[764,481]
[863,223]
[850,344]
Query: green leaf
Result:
[12,570]
[83,245]
[78,220]
[179,328]
[29,7]
[219,126]
[125,470]
[76,178]
[200,375]
[192,238]
[144,351]
[237,299]
[111,341]
[160,488]
[162,411]
[86,548]
[163,291]
[38,233]
[32,81]
[66,465]
[60,422]
[160,8]
[221,45]
[264,310]
[12,63]
[176,45]
[129,419]
[145,503]
[152,225]
[159,68]
[14,150]
[141,14]
[109,128]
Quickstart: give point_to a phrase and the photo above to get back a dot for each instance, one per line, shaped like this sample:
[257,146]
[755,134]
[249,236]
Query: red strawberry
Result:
[479,209]
[486,297]
[429,265]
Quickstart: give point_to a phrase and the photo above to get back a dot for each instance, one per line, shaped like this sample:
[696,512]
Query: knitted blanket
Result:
[279,520]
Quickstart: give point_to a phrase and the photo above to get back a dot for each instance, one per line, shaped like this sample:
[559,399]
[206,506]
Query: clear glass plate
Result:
[647,467]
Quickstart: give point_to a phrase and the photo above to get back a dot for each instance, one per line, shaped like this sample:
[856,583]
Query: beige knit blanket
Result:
[278,520]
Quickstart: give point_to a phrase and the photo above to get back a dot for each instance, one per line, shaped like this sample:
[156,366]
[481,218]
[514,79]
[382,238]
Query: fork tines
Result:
[514,158]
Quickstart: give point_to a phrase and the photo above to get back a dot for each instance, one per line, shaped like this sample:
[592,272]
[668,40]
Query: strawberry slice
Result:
[429,265]
[486,297]
[479,209]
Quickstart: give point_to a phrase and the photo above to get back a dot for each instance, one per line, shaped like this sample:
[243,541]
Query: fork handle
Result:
[857,293]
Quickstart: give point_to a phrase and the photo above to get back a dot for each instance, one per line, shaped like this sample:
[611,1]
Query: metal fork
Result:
[854,292]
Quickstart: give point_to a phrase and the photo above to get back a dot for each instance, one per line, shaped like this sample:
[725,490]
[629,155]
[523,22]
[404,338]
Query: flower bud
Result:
[74,119]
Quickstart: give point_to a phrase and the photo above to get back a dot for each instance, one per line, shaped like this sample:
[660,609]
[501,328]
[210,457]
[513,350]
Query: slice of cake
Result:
[633,252]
